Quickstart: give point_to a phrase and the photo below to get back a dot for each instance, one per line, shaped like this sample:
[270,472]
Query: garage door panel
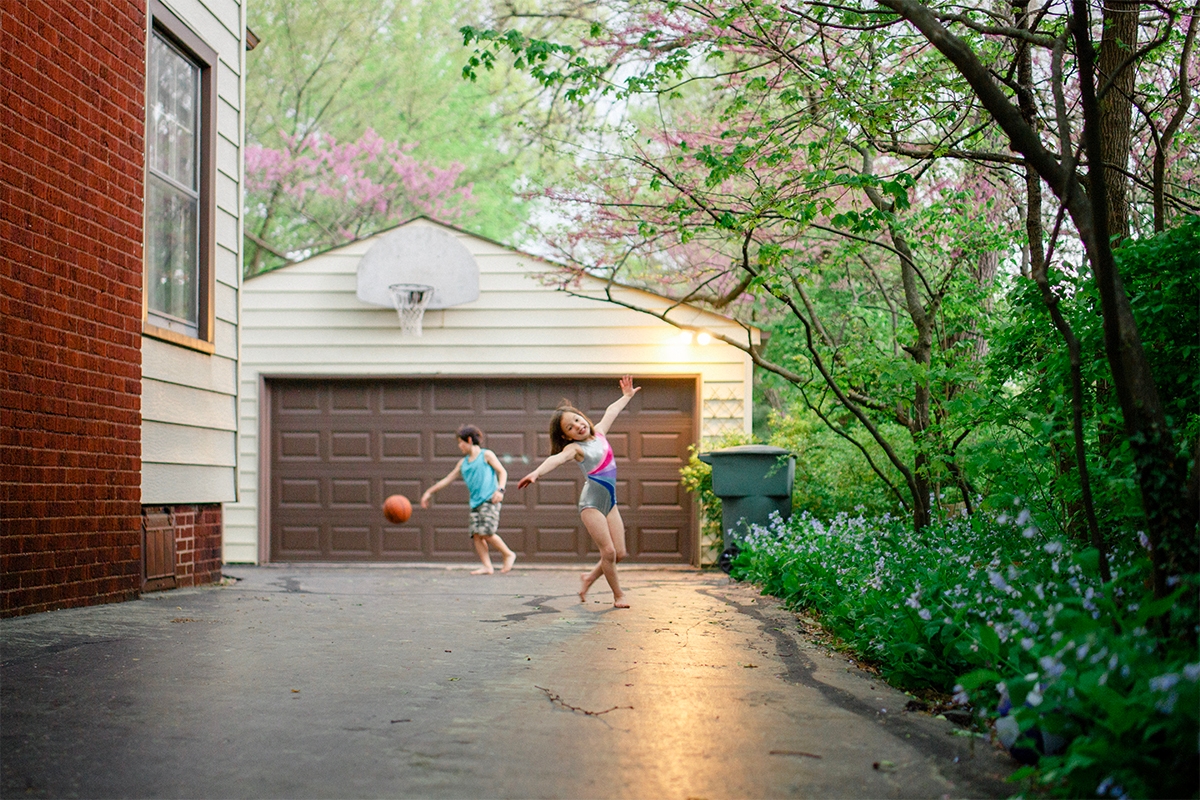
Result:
[551,493]
[551,393]
[354,492]
[300,445]
[665,396]
[352,445]
[399,397]
[399,541]
[345,540]
[557,541]
[301,538]
[669,445]
[451,540]
[408,487]
[660,495]
[445,445]
[340,446]
[298,399]
[658,541]
[506,446]
[402,446]
[513,537]
[619,442]
[455,496]
[302,492]
[452,397]
[350,398]
[504,397]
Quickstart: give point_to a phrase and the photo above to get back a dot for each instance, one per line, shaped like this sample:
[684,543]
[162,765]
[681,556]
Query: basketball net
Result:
[410,300]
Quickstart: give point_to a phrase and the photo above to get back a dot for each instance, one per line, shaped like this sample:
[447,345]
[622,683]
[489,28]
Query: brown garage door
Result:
[339,447]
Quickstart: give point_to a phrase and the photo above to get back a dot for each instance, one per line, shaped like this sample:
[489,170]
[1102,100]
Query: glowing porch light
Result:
[703,339]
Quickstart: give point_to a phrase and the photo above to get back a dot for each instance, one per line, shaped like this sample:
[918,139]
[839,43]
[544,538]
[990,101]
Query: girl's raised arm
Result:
[550,464]
[628,390]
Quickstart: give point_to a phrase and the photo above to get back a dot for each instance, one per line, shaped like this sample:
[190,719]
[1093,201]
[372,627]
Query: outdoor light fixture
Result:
[703,339]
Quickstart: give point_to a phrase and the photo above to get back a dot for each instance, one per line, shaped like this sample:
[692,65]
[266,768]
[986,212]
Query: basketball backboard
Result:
[419,254]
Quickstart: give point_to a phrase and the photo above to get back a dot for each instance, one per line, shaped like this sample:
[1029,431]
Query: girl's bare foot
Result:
[583,587]
[509,560]
[619,602]
[481,571]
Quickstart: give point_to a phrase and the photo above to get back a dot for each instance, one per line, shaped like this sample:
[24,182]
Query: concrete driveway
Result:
[327,682]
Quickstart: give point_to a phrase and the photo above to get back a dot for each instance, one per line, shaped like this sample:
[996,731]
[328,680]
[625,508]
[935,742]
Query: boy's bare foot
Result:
[481,571]
[619,602]
[509,560]
[583,587]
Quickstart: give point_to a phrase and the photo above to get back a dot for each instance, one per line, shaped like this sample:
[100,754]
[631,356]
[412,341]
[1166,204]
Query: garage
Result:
[341,402]
[339,446]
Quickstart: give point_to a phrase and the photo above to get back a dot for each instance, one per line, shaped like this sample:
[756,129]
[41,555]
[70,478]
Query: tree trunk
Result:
[1117,43]
[1158,183]
[1162,475]
[1083,510]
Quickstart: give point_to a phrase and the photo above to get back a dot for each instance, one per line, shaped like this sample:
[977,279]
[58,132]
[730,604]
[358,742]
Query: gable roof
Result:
[683,315]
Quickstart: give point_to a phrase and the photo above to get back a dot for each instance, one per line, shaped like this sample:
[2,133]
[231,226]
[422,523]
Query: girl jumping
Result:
[573,437]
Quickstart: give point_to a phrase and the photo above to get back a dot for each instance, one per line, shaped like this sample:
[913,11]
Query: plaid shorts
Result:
[485,519]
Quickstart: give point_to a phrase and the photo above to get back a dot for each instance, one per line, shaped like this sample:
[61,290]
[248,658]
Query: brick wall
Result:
[72,79]
[198,554]
[182,544]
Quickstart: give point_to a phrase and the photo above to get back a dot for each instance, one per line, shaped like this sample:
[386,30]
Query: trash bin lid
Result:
[751,469]
[744,450]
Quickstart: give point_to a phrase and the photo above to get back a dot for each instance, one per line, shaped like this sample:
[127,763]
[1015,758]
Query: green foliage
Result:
[1027,449]
[1018,625]
[831,474]
[1162,278]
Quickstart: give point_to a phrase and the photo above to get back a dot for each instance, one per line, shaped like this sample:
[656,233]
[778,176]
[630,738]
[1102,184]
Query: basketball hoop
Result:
[410,300]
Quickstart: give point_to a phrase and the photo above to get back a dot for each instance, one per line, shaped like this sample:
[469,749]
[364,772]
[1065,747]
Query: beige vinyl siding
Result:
[305,319]
[189,399]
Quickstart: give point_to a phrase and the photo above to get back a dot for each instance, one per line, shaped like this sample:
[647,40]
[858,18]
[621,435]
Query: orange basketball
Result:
[397,508]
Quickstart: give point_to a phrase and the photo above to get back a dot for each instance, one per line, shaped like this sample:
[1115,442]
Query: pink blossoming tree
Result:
[314,193]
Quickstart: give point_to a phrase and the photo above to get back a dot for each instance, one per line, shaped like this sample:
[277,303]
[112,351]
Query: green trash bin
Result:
[752,481]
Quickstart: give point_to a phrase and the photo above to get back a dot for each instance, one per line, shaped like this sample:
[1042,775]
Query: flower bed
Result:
[1018,626]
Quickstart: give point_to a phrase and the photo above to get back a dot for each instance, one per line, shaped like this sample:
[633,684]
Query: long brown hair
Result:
[558,439]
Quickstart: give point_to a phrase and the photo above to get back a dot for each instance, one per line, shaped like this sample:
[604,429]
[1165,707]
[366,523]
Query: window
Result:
[180,182]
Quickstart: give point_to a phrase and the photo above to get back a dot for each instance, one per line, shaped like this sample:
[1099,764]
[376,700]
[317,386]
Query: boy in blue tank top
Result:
[485,477]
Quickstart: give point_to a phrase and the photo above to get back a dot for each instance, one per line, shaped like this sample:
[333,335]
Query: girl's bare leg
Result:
[616,529]
[598,528]
[481,549]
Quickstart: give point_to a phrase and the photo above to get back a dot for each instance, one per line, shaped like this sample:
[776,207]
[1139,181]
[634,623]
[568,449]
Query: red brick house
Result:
[120,223]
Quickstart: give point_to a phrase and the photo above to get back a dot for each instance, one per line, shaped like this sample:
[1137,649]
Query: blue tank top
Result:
[480,478]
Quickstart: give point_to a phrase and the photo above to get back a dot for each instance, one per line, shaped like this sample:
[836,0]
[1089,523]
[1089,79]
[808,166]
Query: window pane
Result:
[174,85]
[172,216]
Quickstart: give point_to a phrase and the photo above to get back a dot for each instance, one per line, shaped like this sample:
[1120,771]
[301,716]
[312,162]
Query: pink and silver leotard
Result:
[600,468]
